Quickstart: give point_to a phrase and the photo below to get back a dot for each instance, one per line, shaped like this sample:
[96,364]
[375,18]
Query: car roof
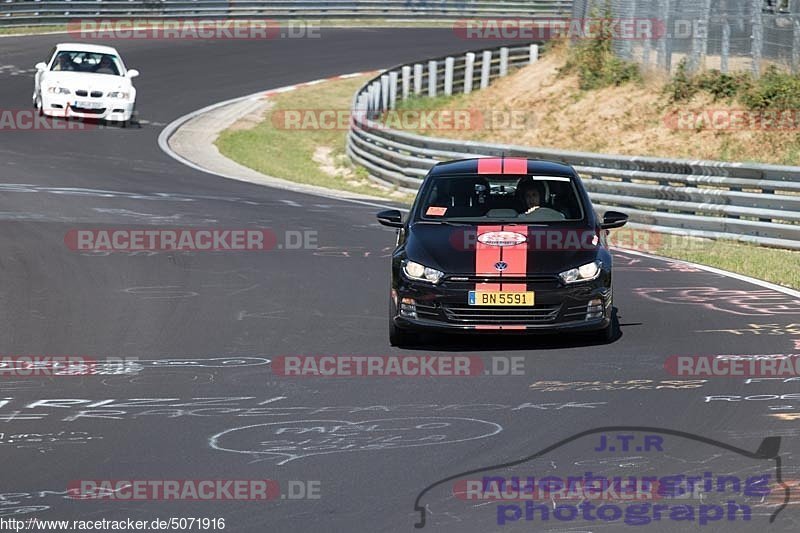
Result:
[83,47]
[496,165]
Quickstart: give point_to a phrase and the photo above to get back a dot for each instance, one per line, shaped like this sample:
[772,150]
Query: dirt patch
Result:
[633,119]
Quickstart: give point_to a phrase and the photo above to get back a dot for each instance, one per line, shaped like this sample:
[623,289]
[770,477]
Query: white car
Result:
[84,80]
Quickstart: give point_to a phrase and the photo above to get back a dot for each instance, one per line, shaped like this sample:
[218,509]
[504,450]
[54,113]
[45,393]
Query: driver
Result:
[106,66]
[529,195]
[63,62]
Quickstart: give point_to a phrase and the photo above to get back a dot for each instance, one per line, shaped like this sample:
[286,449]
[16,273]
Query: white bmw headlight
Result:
[421,272]
[586,272]
[58,90]
[119,94]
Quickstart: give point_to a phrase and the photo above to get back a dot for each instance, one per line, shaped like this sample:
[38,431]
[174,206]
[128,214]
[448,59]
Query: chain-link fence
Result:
[729,35]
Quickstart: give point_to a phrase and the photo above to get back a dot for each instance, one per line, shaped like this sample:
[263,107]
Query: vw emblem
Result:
[501,265]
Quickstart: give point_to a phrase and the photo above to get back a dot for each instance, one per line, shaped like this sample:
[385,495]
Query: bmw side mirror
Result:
[391,218]
[132,73]
[41,66]
[614,219]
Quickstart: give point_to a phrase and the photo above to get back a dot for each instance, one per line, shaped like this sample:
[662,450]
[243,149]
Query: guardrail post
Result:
[392,89]
[449,65]
[469,70]
[533,54]
[503,61]
[486,65]
[417,78]
[384,92]
[406,81]
[431,78]
[376,98]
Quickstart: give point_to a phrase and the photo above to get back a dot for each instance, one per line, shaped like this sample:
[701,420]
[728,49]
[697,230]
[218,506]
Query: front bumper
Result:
[557,307]
[112,109]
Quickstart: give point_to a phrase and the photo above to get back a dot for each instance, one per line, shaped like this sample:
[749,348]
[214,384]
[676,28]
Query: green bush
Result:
[774,90]
[594,62]
[682,86]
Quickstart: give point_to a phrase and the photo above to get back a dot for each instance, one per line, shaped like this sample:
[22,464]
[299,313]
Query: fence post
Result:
[417,78]
[503,61]
[406,81]
[758,36]
[469,71]
[392,89]
[726,46]
[486,65]
[795,44]
[431,78]
[533,54]
[664,55]
[449,64]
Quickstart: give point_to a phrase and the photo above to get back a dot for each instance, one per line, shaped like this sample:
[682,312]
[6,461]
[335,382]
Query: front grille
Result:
[501,315]
[90,111]
[502,279]
[84,93]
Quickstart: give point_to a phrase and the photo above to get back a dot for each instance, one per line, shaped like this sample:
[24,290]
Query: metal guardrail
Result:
[746,202]
[48,12]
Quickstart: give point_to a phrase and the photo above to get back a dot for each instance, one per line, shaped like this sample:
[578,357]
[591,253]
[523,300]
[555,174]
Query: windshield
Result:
[503,198]
[90,62]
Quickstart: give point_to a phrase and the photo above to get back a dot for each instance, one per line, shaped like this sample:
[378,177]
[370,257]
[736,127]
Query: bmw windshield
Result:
[485,199]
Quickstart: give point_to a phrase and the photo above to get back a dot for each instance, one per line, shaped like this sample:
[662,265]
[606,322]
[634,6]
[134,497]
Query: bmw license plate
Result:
[501,298]
[88,105]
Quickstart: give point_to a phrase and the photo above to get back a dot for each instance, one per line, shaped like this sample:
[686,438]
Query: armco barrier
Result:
[746,202]
[37,13]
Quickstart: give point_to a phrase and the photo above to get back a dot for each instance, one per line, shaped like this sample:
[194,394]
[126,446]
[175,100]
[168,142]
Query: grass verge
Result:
[310,150]
[768,264]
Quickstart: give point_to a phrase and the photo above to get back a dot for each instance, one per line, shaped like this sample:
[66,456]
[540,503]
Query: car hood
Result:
[525,250]
[82,80]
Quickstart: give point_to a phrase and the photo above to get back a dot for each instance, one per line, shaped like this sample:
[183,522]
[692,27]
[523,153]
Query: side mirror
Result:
[614,219]
[41,66]
[132,73]
[391,218]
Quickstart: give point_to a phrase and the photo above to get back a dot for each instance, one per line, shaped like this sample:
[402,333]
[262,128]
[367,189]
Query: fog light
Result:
[594,309]
[408,308]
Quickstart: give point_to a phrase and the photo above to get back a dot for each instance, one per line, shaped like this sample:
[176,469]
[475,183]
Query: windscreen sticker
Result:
[436,211]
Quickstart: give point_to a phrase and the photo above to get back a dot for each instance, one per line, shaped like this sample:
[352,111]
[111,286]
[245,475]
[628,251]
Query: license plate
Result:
[89,105]
[500,298]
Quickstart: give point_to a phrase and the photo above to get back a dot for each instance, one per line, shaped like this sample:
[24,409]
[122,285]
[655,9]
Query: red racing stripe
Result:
[490,165]
[485,259]
[515,165]
[517,259]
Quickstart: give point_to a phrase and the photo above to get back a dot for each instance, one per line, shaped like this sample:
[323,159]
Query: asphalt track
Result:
[208,307]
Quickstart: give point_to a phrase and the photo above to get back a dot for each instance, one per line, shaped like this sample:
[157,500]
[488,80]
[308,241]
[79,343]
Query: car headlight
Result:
[586,272]
[119,94]
[421,272]
[58,90]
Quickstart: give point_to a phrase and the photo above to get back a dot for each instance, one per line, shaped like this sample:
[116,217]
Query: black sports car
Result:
[501,245]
